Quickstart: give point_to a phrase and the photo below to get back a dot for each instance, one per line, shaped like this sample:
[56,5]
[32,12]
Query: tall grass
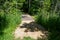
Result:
[9,21]
[2,20]
[51,22]
[10,17]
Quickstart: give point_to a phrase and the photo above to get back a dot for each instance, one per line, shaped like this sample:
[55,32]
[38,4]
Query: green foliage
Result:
[51,22]
[32,6]
[2,20]
[49,18]
[54,35]
[48,15]
[27,38]
[10,17]
[6,4]
[8,22]
[13,17]
[7,36]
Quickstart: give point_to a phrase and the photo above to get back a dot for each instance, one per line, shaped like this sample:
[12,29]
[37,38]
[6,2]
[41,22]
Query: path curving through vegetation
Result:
[28,28]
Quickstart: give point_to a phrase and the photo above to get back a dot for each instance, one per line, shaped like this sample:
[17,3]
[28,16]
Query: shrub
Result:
[2,20]
[32,6]
[13,17]
[8,22]
[10,18]
[48,20]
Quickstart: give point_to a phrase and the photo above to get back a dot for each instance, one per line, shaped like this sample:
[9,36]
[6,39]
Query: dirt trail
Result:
[28,28]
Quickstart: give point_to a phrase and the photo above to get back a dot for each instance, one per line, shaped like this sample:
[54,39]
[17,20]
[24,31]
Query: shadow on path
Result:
[32,26]
[28,28]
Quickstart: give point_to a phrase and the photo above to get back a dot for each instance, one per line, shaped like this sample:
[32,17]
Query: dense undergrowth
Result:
[47,14]
[10,18]
[50,22]
[8,22]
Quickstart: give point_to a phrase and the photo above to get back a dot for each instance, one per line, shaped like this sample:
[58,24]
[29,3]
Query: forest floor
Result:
[28,28]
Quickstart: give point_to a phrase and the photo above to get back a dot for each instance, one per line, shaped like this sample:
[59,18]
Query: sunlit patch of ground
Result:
[28,28]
